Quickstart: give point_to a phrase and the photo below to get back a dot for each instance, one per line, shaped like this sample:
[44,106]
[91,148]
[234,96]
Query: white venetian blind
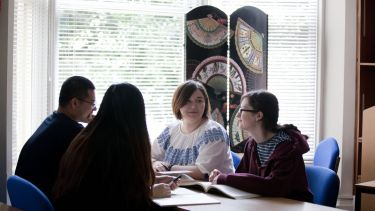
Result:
[142,42]
[30,60]
[292,58]
[112,41]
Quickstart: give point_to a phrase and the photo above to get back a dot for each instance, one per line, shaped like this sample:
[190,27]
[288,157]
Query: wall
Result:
[4,83]
[338,72]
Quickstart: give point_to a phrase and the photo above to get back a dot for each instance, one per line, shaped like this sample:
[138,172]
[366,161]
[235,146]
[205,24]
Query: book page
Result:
[232,192]
[186,182]
[183,196]
[204,186]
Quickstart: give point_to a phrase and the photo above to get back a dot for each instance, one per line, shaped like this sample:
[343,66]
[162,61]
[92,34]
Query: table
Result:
[365,187]
[4,207]
[258,204]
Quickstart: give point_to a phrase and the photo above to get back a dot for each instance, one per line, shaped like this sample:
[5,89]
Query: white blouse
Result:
[207,147]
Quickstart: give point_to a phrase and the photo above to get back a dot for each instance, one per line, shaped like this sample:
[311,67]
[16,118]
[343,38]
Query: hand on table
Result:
[213,176]
[161,190]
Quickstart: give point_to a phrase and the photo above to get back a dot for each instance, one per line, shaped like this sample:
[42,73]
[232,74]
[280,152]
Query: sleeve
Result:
[160,145]
[214,152]
[277,183]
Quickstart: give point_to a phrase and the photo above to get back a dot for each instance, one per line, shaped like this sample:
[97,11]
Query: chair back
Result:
[236,159]
[327,154]
[324,184]
[26,196]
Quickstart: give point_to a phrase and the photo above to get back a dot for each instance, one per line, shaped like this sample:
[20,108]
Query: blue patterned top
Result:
[208,147]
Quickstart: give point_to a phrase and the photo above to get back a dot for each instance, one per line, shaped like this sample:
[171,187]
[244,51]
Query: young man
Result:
[40,156]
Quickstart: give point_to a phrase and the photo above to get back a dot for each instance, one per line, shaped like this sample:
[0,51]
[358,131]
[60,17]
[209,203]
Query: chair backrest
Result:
[327,154]
[324,184]
[26,196]
[236,159]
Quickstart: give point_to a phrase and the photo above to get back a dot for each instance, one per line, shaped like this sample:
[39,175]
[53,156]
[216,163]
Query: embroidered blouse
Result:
[207,147]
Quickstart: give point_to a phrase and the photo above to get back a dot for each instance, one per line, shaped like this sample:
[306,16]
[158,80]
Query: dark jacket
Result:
[282,175]
[40,156]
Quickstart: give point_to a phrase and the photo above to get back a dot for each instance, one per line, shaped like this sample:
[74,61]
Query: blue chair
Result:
[327,154]
[236,159]
[26,196]
[324,184]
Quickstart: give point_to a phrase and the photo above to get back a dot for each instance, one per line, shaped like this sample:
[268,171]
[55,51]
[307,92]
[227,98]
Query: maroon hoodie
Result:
[282,175]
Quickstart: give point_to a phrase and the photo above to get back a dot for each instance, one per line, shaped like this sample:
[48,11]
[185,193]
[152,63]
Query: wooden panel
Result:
[368,155]
[367,95]
[367,31]
[365,76]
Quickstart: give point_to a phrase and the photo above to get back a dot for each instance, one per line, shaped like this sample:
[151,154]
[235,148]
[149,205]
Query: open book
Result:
[187,181]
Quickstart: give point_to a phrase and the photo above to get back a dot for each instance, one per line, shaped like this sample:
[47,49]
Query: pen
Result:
[175,179]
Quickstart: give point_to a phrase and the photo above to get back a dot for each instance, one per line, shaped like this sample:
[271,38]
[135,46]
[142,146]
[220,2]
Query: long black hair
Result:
[115,146]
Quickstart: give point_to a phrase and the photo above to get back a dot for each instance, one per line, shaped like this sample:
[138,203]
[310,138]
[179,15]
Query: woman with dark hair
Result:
[272,164]
[108,165]
[194,142]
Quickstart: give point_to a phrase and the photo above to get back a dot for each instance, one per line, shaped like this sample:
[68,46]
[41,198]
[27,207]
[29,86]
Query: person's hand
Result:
[159,166]
[214,175]
[161,190]
[167,180]
[214,180]
[164,179]
[174,184]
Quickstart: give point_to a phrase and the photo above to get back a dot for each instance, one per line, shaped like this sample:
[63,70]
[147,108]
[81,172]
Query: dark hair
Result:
[115,142]
[75,86]
[184,92]
[267,103]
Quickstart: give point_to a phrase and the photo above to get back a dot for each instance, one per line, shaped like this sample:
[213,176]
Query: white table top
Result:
[258,204]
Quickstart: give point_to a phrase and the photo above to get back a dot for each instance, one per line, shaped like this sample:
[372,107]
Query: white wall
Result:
[338,72]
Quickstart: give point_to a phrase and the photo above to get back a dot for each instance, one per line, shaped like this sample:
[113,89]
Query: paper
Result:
[173,173]
[183,196]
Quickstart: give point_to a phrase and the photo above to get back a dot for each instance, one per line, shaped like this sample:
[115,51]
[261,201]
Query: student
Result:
[272,164]
[40,156]
[108,165]
[195,142]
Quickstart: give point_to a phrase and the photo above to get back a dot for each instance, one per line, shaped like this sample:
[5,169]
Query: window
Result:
[292,59]
[142,42]
[30,67]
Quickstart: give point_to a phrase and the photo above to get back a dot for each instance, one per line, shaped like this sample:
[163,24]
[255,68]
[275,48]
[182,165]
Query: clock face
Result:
[217,65]
[213,73]
[207,32]
[249,46]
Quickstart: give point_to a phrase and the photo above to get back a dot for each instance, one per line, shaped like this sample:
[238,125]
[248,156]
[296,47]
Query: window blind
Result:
[30,61]
[292,59]
[141,42]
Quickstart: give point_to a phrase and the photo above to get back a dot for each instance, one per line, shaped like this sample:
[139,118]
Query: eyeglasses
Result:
[248,110]
[86,101]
